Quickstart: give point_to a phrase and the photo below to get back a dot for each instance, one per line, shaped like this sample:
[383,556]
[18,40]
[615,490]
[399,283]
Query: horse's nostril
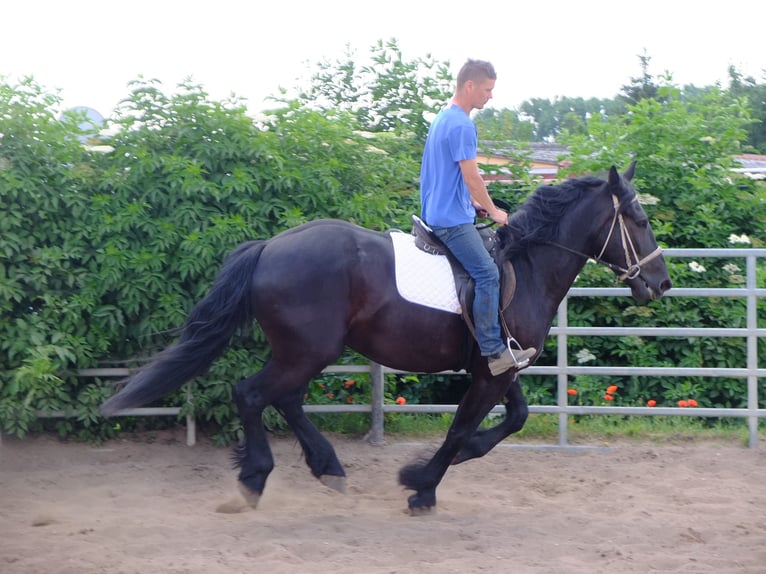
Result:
[666,285]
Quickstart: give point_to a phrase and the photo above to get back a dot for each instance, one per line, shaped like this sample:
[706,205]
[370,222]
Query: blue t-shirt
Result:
[444,196]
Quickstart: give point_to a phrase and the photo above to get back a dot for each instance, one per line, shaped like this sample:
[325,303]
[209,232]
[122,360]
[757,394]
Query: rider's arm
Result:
[478,190]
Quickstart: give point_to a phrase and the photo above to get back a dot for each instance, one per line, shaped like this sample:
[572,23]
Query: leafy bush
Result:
[45,175]
[684,148]
[104,253]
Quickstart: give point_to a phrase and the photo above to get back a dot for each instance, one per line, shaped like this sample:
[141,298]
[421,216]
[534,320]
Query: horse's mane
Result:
[537,220]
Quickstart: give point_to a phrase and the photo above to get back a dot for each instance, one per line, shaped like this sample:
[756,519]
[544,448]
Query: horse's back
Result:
[326,258]
[328,240]
[327,231]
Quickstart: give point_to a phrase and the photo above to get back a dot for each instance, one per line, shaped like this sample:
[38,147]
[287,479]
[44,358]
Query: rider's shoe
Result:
[510,359]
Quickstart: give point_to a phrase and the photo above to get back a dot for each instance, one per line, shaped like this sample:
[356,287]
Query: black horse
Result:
[328,284]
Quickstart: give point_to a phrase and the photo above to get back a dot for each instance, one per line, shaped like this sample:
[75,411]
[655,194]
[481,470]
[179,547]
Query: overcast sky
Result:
[589,48]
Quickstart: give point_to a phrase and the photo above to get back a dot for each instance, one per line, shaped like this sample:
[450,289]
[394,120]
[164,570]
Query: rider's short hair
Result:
[476,71]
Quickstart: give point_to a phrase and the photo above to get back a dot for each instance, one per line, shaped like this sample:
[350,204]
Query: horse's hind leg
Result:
[319,453]
[253,456]
[484,440]
[281,386]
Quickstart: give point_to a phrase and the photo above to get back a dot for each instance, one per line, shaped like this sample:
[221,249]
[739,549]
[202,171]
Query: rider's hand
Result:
[499,216]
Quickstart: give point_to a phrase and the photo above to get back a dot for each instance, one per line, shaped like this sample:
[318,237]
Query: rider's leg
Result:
[467,246]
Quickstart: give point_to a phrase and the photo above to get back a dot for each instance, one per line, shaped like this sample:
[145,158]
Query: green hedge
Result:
[104,253]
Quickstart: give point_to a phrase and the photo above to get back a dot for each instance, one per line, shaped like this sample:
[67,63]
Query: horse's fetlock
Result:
[519,419]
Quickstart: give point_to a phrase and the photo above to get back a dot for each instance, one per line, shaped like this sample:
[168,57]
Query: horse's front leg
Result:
[484,440]
[424,476]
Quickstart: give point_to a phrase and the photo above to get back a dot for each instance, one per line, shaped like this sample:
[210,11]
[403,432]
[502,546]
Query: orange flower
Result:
[330,395]
[608,398]
[691,403]
[349,383]
[611,389]
[401,401]
[349,399]
[572,392]
[651,403]
[683,404]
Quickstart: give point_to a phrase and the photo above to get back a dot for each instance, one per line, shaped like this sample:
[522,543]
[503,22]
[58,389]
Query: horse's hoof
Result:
[249,501]
[251,497]
[335,482]
[422,510]
[421,504]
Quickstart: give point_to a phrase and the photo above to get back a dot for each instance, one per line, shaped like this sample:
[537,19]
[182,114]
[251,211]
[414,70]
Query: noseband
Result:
[632,261]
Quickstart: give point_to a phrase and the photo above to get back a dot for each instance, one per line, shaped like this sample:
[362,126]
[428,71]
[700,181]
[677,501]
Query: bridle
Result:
[632,261]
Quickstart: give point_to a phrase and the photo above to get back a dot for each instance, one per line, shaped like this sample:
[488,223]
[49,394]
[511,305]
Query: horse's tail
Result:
[204,337]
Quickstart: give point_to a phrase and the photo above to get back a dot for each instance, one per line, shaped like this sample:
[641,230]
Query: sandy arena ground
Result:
[136,506]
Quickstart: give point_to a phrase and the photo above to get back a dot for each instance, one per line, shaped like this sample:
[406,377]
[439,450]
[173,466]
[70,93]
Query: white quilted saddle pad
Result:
[423,278]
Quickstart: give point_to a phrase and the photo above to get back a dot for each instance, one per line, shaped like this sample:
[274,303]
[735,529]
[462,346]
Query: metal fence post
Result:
[752,352]
[191,423]
[376,406]
[562,377]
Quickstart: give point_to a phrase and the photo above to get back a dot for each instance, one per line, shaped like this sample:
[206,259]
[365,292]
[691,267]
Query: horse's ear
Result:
[614,177]
[631,170]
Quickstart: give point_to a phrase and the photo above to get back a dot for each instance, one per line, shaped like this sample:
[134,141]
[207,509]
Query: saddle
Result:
[426,240]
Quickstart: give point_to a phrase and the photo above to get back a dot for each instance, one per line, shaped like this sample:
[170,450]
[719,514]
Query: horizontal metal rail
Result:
[751,371]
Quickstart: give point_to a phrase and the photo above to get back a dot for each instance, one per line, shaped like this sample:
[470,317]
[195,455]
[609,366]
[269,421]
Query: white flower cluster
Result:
[696,267]
[734,273]
[734,239]
[647,199]
[585,356]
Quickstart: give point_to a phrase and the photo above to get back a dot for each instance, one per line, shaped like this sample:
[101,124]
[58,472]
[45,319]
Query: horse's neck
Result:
[542,283]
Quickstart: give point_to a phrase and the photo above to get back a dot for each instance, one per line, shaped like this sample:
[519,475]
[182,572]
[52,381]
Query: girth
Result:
[426,241]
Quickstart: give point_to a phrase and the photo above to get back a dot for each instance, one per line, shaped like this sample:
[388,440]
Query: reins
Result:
[632,270]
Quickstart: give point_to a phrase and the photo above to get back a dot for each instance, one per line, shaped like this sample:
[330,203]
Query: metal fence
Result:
[750,371]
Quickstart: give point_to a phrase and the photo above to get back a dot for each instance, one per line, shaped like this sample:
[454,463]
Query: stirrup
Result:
[523,362]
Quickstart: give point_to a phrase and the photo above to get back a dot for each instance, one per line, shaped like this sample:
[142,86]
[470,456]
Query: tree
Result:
[740,86]
[641,87]
[390,94]
[551,117]
[502,126]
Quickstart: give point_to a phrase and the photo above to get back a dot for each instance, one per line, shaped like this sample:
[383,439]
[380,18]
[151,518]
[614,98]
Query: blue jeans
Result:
[467,246]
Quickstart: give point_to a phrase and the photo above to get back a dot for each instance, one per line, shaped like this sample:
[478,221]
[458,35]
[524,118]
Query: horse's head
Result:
[629,247]
[593,219]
